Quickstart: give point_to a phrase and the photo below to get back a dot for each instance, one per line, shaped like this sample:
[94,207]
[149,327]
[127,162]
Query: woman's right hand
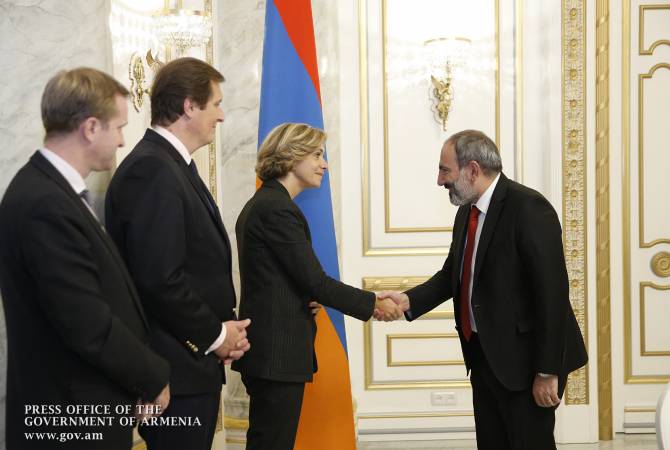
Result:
[387,310]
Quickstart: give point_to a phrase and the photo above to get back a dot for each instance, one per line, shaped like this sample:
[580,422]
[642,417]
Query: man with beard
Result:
[506,273]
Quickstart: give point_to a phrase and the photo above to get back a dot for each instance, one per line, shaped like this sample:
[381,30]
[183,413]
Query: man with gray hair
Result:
[506,273]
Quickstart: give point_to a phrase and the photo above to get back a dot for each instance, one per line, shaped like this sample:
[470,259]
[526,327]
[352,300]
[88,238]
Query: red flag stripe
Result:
[297,18]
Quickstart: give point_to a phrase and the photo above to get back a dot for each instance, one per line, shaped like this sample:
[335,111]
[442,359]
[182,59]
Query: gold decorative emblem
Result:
[660,264]
[443,96]
[138,78]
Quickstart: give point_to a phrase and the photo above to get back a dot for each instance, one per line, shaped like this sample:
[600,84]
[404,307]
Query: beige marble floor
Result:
[620,442]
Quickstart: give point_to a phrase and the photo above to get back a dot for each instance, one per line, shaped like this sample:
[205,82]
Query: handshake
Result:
[390,305]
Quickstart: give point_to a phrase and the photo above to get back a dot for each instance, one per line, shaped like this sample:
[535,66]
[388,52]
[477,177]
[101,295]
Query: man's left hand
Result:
[545,391]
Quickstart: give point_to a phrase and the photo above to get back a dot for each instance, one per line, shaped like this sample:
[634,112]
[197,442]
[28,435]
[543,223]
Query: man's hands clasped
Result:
[236,343]
[390,305]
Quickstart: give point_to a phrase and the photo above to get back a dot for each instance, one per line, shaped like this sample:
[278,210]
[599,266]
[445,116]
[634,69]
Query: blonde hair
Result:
[71,97]
[285,146]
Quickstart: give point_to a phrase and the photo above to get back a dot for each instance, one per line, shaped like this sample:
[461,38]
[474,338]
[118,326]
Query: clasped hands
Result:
[390,305]
[235,343]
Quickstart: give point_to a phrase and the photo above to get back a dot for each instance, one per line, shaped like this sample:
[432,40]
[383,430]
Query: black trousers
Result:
[195,437]
[504,419]
[274,412]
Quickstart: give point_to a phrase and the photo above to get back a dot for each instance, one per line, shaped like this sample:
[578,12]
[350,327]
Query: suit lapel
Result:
[207,199]
[198,185]
[492,216]
[50,171]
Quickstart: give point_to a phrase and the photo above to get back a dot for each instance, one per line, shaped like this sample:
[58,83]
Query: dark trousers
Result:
[504,419]
[274,412]
[180,437]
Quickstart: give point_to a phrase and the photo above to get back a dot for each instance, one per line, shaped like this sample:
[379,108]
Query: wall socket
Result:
[443,398]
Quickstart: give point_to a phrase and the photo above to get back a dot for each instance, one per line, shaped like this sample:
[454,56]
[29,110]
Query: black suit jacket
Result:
[75,327]
[520,295]
[280,276]
[178,254]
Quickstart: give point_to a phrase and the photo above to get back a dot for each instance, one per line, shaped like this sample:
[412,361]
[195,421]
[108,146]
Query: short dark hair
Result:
[70,97]
[473,145]
[175,82]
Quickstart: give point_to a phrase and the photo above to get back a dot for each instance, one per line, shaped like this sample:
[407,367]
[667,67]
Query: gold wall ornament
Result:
[660,264]
[442,96]
[573,46]
[137,77]
[154,62]
[448,58]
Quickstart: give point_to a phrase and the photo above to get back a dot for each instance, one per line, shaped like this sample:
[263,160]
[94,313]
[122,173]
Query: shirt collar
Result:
[176,143]
[68,172]
[485,200]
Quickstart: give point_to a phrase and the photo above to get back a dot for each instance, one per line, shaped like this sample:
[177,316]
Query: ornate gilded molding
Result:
[641,18]
[390,362]
[209,56]
[574,176]
[235,422]
[643,320]
[660,264]
[604,335]
[640,155]
[629,376]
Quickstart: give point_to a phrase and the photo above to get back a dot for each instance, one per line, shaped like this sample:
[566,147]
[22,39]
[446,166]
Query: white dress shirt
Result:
[183,151]
[176,143]
[74,178]
[483,206]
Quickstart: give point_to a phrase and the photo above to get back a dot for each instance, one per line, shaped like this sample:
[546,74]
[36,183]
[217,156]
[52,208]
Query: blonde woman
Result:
[281,277]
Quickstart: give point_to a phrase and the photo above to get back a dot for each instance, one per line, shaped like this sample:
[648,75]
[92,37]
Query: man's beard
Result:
[461,192]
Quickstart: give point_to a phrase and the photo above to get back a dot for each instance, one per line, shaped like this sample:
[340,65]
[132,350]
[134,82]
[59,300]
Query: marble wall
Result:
[238,49]
[37,40]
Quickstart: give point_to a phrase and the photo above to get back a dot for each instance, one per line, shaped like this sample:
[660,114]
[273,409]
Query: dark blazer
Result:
[280,276]
[520,292]
[178,254]
[75,328]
